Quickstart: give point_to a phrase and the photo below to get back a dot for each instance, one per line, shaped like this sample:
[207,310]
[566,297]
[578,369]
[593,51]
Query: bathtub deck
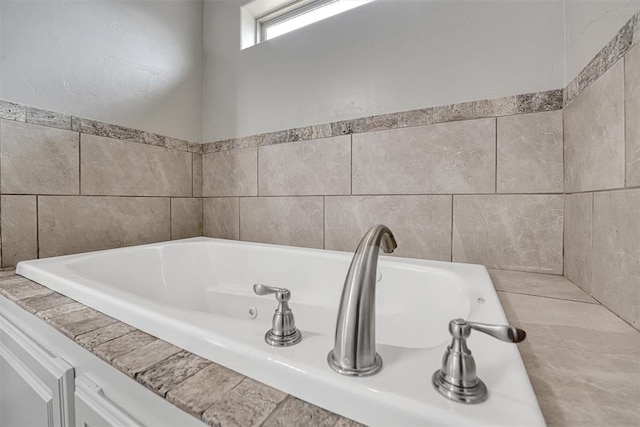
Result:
[565,328]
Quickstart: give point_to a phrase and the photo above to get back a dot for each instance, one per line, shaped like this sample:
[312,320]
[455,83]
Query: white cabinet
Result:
[94,409]
[36,387]
[46,379]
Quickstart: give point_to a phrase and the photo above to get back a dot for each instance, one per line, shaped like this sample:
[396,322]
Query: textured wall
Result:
[127,62]
[589,25]
[66,187]
[386,56]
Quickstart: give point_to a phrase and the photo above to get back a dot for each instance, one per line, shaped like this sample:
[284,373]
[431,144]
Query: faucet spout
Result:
[354,350]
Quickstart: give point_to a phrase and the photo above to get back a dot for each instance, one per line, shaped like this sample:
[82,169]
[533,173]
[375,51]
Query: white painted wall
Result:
[130,62]
[383,57]
[589,25]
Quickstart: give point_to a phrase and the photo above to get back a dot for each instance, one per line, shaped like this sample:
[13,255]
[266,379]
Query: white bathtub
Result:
[196,293]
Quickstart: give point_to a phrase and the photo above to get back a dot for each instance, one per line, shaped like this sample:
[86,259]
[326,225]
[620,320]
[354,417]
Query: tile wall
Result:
[476,182]
[602,182]
[71,185]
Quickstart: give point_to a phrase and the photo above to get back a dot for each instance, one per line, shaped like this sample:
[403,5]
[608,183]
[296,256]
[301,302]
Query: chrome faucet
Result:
[354,350]
[457,379]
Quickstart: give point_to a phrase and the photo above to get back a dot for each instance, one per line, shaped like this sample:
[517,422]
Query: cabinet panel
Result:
[94,409]
[36,388]
[24,399]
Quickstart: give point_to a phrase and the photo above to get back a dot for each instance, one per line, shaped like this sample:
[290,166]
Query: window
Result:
[289,16]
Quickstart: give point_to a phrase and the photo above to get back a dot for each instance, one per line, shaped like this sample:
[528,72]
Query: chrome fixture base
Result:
[362,372]
[457,379]
[282,341]
[474,394]
[283,332]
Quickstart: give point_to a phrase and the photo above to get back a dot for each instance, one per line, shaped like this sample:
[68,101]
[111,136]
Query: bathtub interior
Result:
[413,303]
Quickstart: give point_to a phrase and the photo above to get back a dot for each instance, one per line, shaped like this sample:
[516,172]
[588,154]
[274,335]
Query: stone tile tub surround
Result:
[64,191]
[325,193]
[565,328]
[581,358]
[602,166]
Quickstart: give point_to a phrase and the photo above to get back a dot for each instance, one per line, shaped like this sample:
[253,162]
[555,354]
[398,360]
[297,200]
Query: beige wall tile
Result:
[582,360]
[455,157]
[69,225]
[19,229]
[530,153]
[616,252]
[511,232]
[421,224]
[594,135]
[197,175]
[578,217]
[231,173]
[186,218]
[38,159]
[221,217]
[114,167]
[632,111]
[292,221]
[306,168]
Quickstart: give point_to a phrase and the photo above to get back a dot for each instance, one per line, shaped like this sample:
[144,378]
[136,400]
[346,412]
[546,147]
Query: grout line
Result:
[624,116]
[595,302]
[377,195]
[351,165]
[258,171]
[170,219]
[564,187]
[593,215]
[496,157]
[37,227]
[98,195]
[606,190]
[239,219]
[526,271]
[451,259]
[324,226]
[79,164]
[615,314]
[192,175]
[277,409]
[562,235]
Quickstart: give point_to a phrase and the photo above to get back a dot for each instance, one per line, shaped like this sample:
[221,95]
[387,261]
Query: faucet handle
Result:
[457,379]
[460,328]
[282,294]
[283,331]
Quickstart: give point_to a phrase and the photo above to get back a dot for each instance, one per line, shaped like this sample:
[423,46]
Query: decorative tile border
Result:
[617,47]
[37,116]
[518,104]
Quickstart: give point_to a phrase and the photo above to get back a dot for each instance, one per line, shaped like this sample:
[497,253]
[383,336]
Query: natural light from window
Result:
[314,15]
